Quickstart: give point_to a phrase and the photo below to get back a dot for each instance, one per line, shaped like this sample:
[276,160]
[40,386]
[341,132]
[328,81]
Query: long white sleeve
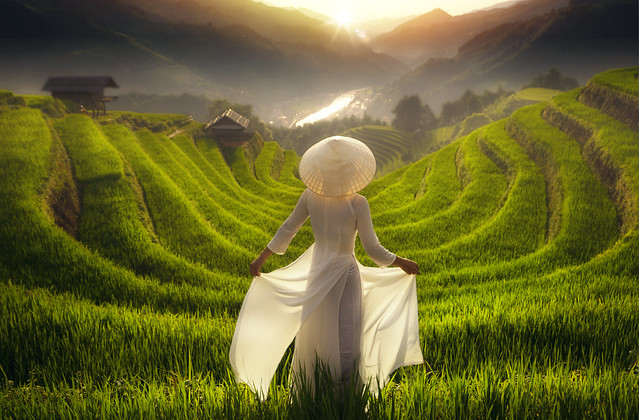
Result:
[380,255]
[291,225]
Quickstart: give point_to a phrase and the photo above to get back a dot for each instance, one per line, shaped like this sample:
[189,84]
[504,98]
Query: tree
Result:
[554,80]
[411,115]
[471,102]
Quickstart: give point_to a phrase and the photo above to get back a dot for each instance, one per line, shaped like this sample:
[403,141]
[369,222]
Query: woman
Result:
[354,319]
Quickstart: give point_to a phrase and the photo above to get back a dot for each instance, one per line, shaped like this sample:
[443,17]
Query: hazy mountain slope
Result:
[279,24]
[144,52]
[437,34]
[580,41]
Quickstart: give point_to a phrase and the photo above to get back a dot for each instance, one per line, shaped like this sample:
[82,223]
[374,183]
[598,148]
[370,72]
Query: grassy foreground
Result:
[124,254]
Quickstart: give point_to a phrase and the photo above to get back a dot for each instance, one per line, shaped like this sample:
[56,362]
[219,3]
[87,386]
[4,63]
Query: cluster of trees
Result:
[412,115]
[468,104]
[553,80]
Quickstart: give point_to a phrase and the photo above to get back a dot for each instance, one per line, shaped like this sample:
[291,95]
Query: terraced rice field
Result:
[124,261]
[389,145]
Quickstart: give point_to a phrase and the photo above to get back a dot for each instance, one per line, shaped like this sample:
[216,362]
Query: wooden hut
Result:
[88,92]
[230,129]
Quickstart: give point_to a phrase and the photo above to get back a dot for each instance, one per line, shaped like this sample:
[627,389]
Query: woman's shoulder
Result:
[358,200]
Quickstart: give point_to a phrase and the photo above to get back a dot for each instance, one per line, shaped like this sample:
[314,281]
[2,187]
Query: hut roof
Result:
[93,84]
[229,116]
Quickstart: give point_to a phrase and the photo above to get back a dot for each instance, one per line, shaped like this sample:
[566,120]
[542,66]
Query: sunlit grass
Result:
[527,238]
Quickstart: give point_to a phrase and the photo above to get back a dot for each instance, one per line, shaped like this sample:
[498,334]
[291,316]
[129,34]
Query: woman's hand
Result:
[255,267]
[256,264]
[409,267]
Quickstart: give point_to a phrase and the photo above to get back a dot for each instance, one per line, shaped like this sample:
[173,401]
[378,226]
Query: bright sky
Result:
[361,10]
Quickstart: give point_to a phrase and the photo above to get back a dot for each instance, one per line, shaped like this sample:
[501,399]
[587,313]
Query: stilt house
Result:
[229,129]
[88,92]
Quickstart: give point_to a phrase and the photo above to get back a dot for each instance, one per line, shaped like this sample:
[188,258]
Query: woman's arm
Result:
[374,249]
[291,225]
[283,236]
[257,263]
[380,255]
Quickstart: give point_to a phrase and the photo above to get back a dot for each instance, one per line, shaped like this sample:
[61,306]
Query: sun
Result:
[343,18]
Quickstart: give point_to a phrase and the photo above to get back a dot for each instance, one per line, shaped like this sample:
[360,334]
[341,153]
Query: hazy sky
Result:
[359,10]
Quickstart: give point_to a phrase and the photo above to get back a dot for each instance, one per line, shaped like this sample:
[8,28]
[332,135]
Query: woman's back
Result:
[333,221]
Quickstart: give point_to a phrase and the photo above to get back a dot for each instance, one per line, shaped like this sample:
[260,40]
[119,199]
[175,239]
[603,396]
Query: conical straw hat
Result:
[337,166]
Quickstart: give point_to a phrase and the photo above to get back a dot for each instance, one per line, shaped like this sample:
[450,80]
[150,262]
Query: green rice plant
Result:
[247,206]
[215,169]
[474,122]
[241,208]
[111,225]
[389,145]
[405,191]
[49,105]
[288,174]
[438,189]
[623,80]
[516,229]
[385,141]
[222,221]
[180,227]
[528,301]
[63,335]
[443,136]
[253,231]
[170,378]
[611,151]
[613,155]
[536,94]
[94,158]
[465,326]
[380,184]
[242,172]
[35,253]
[480,199]
[588,221]
[268,166]
[586,207]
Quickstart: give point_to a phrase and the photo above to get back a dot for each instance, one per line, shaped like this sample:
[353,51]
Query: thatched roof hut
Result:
[86,91]
[230,129]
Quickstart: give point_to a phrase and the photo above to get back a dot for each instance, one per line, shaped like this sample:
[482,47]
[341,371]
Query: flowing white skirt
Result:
[302,301]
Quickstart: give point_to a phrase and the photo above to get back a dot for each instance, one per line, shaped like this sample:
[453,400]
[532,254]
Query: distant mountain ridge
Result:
[438,34]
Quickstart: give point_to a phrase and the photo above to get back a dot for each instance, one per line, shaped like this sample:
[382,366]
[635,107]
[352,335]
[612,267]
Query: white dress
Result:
[348,315]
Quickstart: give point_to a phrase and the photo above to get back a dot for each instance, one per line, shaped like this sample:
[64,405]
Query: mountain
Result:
[278,24]
[164,50]
[438,34]
[580,41]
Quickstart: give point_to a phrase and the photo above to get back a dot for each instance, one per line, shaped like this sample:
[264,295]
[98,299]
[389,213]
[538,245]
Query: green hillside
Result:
[125,243]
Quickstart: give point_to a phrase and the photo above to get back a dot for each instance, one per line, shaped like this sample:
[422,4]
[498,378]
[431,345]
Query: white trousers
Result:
[350,322]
